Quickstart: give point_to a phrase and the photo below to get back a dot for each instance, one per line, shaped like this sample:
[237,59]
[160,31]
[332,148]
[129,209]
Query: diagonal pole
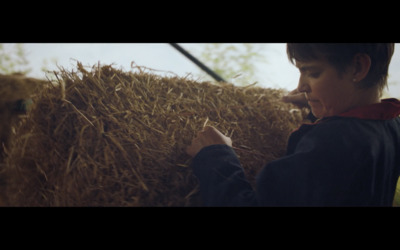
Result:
[198,63]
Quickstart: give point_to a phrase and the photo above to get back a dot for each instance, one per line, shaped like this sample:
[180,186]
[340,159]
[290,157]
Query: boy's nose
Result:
[303,85]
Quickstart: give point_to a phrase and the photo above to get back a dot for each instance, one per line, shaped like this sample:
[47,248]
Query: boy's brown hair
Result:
[340,55]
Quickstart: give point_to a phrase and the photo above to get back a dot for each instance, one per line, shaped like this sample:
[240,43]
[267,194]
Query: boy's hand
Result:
[297,98]
[207,137]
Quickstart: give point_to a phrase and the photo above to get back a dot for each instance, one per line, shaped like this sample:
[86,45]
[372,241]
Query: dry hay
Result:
[106,137]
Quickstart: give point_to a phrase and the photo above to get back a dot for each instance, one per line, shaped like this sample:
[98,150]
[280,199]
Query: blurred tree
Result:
[13,59]
[235,62]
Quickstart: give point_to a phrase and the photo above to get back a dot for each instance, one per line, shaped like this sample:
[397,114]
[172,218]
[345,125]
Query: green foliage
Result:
[233,62]
[13,59]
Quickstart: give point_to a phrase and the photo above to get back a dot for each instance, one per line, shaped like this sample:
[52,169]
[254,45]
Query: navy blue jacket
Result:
[352,159]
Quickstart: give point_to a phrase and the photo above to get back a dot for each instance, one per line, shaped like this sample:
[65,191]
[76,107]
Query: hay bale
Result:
[105,137]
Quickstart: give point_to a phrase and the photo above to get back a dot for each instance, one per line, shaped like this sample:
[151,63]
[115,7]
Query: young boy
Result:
[350,156]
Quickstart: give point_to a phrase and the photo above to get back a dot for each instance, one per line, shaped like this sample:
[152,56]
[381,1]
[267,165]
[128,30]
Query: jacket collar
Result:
[385,110]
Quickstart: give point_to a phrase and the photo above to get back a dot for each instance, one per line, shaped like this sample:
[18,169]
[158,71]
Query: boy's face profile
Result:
[328,92]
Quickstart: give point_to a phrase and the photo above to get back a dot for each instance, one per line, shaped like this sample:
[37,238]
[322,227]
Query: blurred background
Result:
[265,64]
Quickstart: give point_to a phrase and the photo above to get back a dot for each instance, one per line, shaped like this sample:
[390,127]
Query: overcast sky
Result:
[276,73]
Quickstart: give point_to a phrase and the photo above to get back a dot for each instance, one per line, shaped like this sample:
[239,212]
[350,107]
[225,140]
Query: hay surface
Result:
[104,137]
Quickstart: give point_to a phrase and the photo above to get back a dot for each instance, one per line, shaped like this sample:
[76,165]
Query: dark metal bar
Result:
[198,63]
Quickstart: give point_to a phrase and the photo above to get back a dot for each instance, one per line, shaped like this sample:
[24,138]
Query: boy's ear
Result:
[362,65]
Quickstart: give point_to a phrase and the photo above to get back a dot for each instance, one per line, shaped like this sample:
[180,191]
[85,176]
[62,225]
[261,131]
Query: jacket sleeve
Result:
[222,179]
[329,167]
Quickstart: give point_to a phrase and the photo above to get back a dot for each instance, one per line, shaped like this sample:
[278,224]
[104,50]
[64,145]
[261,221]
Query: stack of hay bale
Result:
[105,137]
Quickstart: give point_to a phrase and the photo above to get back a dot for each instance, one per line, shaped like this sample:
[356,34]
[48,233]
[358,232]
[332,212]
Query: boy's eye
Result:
[314,74]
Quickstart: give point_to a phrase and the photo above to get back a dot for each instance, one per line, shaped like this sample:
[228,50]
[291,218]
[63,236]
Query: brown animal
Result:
[15,93]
